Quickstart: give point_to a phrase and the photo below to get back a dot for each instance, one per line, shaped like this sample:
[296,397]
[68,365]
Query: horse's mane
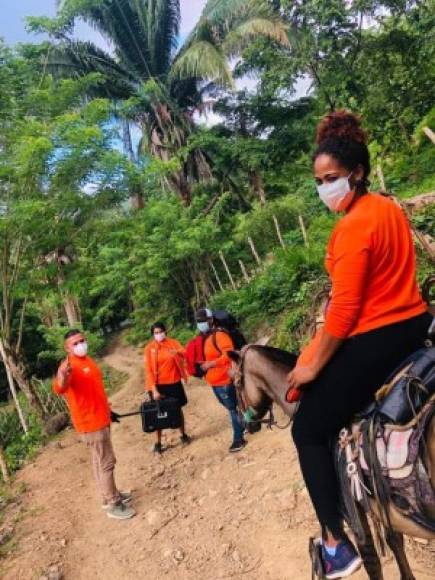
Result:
[277,355]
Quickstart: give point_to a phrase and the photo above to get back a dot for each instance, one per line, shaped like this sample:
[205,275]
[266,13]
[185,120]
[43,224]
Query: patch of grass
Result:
[114,379]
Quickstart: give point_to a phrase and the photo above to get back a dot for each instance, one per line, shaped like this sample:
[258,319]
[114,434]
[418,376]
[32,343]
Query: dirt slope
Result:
[202,513]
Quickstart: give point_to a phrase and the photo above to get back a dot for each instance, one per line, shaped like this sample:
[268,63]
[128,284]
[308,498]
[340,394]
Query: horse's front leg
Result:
[396,543]
[368,551]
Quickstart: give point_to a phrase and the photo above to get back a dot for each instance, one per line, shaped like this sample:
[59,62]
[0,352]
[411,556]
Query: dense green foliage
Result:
[77,251]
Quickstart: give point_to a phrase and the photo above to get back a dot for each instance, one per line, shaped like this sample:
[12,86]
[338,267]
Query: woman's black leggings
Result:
[344,387]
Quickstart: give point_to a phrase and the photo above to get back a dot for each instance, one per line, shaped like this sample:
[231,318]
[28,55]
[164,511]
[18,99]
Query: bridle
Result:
[245,411]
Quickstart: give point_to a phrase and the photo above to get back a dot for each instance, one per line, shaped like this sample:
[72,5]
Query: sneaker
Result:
[158,449]
[345,562]
[185,439]
[119,511]
[237,446]
[124,496]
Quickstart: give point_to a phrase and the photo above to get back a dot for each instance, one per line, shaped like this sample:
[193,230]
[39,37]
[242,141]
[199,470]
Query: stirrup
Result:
[315,551]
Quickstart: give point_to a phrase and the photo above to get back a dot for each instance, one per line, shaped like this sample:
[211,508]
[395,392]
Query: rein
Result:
[246,412]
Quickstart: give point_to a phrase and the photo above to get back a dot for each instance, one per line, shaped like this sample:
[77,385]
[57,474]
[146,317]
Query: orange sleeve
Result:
[350,264]
[225,344]
[180,349]
[150,379]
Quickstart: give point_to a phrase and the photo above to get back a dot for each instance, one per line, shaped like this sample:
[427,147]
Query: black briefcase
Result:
[159,415]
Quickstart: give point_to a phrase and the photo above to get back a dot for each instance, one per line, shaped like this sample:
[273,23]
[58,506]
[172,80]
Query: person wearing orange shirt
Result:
[216,344]
[164,359]
[375,319]
[80,382]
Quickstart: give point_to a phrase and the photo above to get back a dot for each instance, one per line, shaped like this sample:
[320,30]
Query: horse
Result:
[260,377]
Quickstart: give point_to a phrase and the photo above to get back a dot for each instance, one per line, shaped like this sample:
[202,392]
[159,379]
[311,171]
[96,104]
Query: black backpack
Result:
[226,322]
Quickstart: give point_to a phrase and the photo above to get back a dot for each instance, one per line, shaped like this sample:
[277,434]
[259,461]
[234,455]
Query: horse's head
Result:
[254,402]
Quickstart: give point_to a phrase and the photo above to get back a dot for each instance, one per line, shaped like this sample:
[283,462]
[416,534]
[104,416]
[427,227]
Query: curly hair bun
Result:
[341,124]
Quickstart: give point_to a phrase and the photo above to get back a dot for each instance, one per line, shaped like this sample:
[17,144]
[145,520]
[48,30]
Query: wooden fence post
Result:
[222,257]
[254,251]
[304,231]
[278,231]
[3,466]
[430,134]
[216,275]
[244,271]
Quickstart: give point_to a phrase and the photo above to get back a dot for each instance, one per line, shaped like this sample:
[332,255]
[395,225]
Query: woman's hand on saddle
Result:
[301,376]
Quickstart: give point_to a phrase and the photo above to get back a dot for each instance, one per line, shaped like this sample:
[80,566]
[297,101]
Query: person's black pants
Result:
[344,387]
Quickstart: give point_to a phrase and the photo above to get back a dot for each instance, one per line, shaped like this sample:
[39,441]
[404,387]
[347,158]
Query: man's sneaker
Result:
[237,446]
[345,562]
[119,511]
[158,449]
[124,496]
[185,439]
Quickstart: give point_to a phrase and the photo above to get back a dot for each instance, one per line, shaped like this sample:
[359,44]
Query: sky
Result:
[12,25]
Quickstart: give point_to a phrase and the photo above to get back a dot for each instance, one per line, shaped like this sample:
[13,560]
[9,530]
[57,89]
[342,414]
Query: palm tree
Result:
[162,87]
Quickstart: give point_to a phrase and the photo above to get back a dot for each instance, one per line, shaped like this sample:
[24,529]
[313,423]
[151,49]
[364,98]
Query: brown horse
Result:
[260,375]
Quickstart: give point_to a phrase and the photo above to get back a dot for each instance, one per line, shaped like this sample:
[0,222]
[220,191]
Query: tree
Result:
[163,88]
[53,147]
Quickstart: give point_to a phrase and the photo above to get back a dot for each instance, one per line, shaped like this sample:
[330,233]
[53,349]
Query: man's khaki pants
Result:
[103,463]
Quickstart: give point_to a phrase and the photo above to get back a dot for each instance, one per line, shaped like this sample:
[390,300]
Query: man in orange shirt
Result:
[80,381]
[217,343]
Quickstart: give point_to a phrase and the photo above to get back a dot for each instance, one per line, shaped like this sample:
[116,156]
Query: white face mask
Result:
[160,336]
[337,195]
[80,349]
[203,327]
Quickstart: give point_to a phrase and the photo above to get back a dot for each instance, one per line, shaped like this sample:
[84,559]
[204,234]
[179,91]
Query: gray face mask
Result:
[203,327]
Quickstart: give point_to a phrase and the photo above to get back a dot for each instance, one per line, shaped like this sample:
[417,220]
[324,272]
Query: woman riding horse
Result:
[375,318]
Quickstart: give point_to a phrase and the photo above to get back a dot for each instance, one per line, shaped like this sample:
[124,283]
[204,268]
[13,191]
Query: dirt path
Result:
[202,513]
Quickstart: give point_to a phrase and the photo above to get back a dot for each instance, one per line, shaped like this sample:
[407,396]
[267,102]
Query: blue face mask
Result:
[203,327]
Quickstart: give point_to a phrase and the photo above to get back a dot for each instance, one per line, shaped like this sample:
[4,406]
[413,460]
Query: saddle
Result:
[381,455]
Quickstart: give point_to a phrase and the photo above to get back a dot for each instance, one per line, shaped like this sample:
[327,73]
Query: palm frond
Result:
[205,61]
[143,33]
[220,11]
[163,34]
[237,40]
[77,58]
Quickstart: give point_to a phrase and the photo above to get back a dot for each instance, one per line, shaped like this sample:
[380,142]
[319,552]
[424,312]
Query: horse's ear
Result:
[234,355]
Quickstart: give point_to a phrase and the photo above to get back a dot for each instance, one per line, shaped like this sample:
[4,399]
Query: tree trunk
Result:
[136,197]
[71,311]
[13,390]
[258,186]
[16,369]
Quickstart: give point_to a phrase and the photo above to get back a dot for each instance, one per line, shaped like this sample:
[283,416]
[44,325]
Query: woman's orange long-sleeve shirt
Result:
[371,262]
[164,363]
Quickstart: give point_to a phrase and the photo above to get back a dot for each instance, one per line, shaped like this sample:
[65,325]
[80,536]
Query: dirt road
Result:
[201,512]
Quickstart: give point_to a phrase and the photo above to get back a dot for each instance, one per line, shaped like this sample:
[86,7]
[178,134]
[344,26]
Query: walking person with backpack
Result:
[164,359]
[220,335]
